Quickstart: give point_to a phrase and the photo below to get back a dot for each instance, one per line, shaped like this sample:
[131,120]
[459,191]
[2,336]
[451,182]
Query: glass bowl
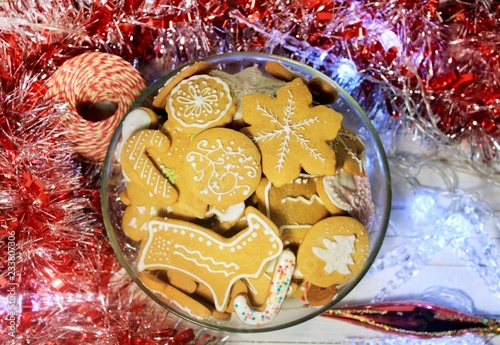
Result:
[291,313]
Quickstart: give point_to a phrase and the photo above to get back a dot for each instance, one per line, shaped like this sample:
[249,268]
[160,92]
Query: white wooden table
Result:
[445,270]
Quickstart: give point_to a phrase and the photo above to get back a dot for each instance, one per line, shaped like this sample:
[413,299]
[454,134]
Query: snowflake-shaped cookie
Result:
[249,80]
[290,133]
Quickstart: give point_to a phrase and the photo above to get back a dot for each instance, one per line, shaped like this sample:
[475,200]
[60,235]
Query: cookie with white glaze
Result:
[291,133]
[223,166]
[333,251]
[199,103]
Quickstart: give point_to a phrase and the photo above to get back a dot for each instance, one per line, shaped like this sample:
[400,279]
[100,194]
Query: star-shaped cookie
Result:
[290,133]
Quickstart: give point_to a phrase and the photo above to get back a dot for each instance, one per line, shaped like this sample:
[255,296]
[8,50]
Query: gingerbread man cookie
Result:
[290,133]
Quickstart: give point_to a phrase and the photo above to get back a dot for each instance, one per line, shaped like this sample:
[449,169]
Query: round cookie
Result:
[200,102]
[223,166]
[199,67]
[333,251]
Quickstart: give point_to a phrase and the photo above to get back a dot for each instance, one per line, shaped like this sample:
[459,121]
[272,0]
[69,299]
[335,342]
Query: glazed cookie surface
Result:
[209,258]
[200,102]
[290,133]
[223,166]
[140,165]
[199,67]
[333,251]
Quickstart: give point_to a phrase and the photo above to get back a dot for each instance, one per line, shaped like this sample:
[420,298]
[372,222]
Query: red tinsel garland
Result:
[439,70]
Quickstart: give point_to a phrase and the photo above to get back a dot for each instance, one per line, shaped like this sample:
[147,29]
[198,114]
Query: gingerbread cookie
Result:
[290,133]
[223,166]
[359,198]
[140,211]
[333,251]
[349,151]
[200,102]
[204,292]
[258,288]
[188,205]
[200,67]
[227,218]
[137,119]
[328,190]
[139,164]
[322,91]
[249,80]
[279,71]
[174,296]
[208,257]
[317,296]
[293,203]
[181,281]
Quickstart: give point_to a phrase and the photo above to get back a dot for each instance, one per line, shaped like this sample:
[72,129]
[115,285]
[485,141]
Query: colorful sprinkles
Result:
[279,287]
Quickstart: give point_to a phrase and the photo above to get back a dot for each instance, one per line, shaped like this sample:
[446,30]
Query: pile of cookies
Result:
[244,190]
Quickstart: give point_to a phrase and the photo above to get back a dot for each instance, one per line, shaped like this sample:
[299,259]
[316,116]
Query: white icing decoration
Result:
[294,226]
[192,255]
[359,159]
[215,160]
[199,104]
[314,198]
[233,213]
[330,183]
[337,254]
[142,164]
[279,288]
[286,130]
[249,80]
[136,120]
[199,264]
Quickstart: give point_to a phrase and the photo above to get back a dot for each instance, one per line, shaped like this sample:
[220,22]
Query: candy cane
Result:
[279,286]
